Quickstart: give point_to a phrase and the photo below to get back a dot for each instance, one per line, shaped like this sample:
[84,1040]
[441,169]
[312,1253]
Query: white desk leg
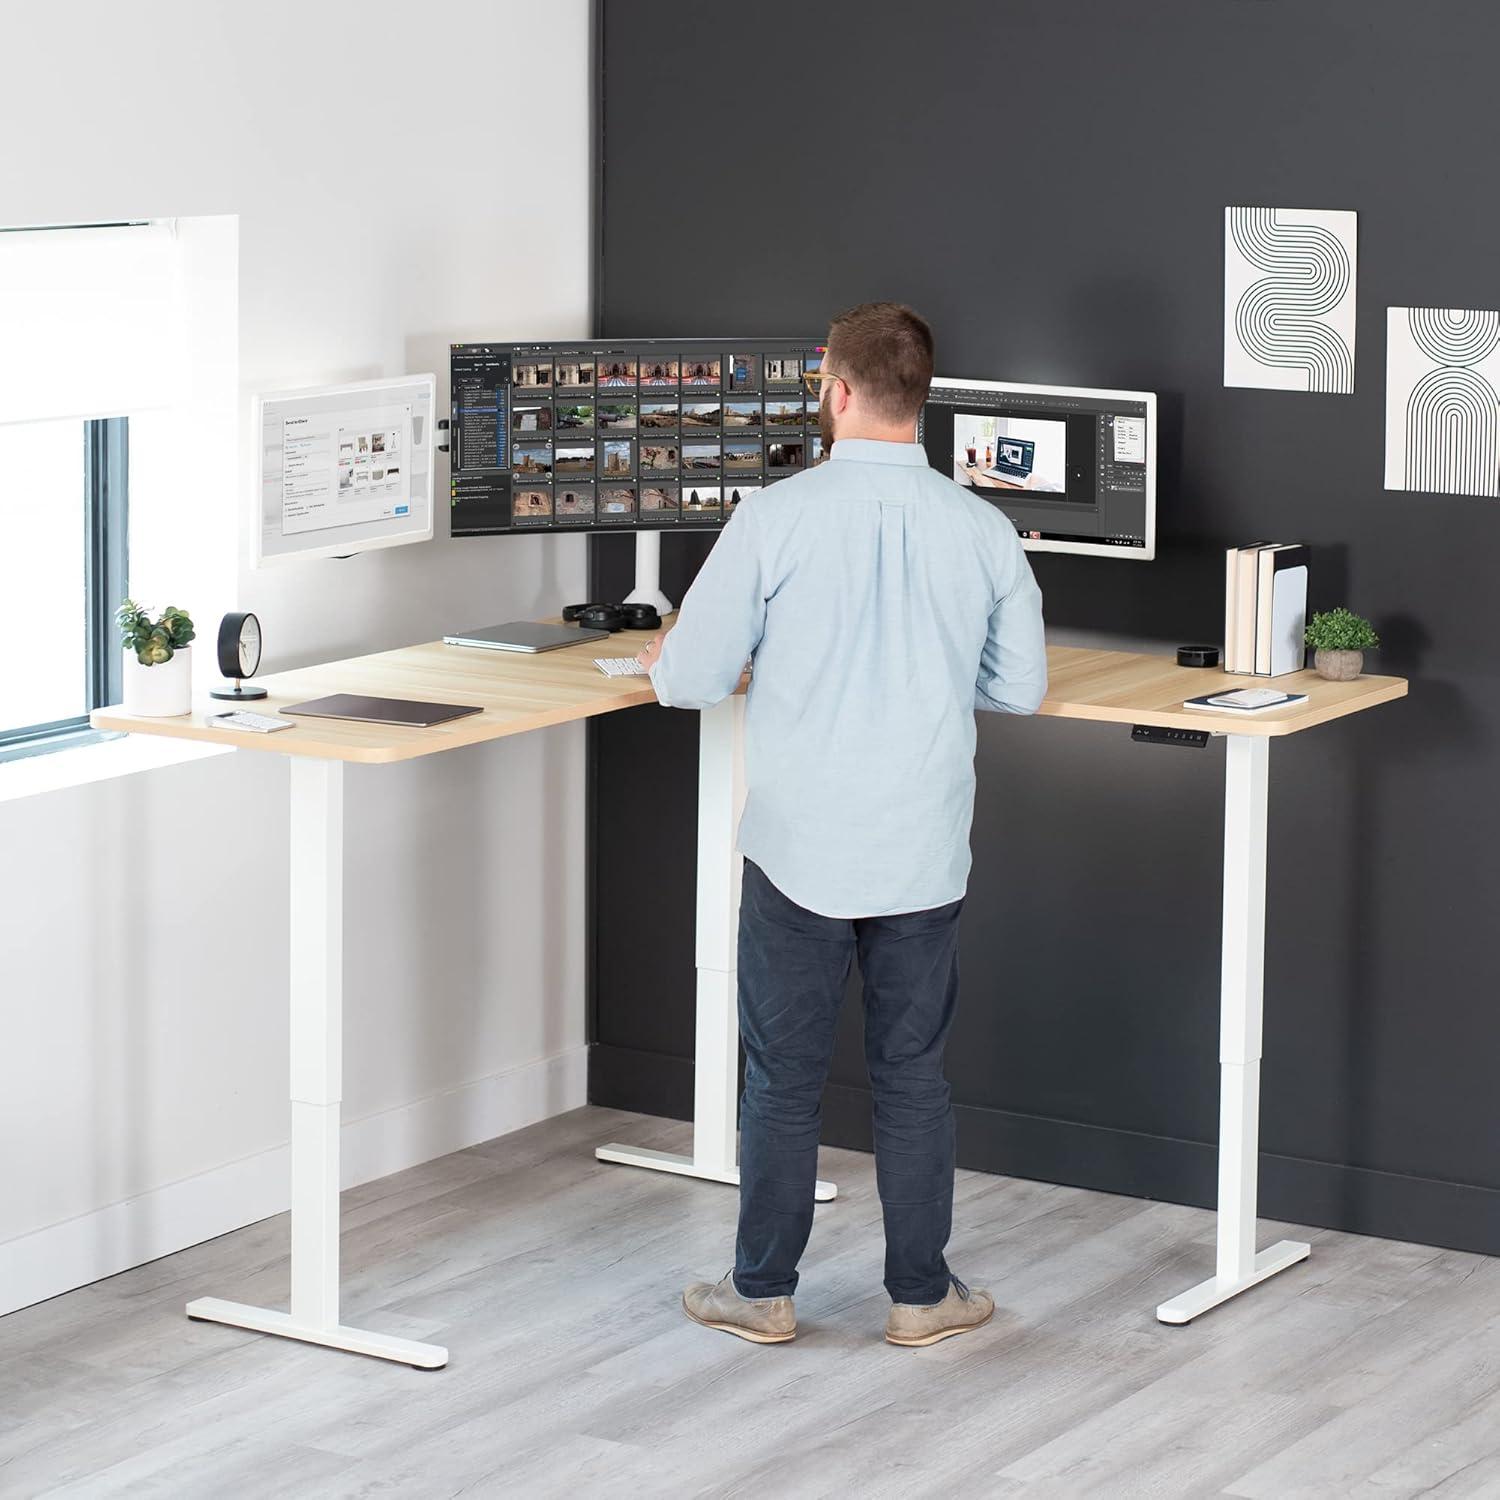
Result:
[1238,1267]
[317,1018]
[721,796]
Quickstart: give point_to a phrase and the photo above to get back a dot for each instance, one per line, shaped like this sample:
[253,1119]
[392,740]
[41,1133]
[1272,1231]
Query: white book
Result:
[1246,577]
[1231,580]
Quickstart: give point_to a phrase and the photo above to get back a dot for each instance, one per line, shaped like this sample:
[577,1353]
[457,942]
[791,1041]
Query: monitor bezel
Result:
[1096,393]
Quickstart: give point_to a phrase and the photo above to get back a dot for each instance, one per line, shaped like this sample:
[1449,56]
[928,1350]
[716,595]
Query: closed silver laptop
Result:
[524,635]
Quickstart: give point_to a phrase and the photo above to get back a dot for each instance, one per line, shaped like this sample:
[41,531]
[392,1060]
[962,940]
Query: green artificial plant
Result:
[1341,630]
[153,644]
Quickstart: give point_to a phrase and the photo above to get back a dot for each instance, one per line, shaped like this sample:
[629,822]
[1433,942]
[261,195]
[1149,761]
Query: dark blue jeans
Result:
[793,968]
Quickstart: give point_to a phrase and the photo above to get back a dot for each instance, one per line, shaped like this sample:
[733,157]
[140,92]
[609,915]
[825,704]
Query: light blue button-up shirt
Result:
[881,604]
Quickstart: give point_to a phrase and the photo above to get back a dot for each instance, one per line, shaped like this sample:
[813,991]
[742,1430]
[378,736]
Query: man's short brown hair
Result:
[884,350]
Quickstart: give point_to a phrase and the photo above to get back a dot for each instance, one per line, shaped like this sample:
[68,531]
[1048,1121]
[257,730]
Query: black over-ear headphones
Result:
[640,616]
[601,617]
[613,617]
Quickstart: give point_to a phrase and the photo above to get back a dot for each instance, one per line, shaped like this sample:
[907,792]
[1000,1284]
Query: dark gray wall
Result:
[758,175]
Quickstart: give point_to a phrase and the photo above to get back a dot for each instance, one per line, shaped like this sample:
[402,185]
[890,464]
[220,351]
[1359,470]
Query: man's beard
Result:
[825,427]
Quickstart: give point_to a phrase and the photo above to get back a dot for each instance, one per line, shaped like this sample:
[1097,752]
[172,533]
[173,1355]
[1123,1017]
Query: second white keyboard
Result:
[619,666]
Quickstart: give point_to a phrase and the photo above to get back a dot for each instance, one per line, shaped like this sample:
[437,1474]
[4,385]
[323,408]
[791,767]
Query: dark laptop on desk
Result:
[381,710]
[1014,458]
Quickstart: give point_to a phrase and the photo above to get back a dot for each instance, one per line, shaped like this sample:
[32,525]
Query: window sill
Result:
[118,755]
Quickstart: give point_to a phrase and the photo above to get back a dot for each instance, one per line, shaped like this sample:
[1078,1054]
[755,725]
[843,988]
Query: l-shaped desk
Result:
[521,693]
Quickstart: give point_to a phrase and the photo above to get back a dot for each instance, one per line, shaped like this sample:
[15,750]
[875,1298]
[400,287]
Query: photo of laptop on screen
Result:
[1014,460]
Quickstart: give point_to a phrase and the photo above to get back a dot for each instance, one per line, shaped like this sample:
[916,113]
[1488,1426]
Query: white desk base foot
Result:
[355,1340]
[316,1029]
[1241,1003]
[1188,1305]
[685,1166]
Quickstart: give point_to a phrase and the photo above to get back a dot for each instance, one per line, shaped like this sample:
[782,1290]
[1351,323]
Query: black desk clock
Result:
[239,656]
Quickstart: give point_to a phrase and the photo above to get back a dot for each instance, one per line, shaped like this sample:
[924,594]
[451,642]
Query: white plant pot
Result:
[162,691]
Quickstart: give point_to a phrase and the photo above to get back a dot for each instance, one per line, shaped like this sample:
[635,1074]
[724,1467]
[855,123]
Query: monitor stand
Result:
[647,588]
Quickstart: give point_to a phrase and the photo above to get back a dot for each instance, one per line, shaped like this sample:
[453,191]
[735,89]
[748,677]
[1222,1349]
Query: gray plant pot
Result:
[1339,666]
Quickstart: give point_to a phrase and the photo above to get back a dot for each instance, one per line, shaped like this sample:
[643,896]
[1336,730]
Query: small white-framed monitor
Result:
[1074,468]
[343,468]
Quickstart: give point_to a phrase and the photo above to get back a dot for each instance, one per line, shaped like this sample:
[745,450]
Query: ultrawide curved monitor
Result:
[624,434]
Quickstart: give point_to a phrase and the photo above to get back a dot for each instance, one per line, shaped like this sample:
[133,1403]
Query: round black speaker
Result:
[601,617]
[640,616]
[1197,656]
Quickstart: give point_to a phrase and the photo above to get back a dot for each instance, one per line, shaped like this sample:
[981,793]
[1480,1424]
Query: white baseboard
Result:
[72,1254]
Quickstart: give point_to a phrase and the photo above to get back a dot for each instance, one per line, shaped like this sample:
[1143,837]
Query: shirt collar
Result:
[874,451]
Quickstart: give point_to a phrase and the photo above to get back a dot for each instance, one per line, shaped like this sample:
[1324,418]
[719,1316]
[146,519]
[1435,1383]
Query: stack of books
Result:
[1265,608]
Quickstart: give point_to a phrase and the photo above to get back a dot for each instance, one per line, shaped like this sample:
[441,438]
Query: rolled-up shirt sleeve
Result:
[719,623]
[1013,664]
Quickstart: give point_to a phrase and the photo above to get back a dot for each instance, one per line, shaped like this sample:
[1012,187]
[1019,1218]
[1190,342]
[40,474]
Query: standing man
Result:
[881,604]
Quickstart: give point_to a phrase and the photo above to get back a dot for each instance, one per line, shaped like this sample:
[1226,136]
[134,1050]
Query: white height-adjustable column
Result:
[1241,1007]
[317,1018]
[721,798]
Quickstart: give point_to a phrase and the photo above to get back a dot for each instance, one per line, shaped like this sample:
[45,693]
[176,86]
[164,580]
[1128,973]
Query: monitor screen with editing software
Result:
[344,469]
[624,434]
[1073,468]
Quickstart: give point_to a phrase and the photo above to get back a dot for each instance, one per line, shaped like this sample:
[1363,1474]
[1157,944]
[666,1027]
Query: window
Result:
[63,513]
[91,320]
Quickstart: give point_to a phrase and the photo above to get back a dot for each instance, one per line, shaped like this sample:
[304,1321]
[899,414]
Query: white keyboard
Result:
[255,723]
[619,666]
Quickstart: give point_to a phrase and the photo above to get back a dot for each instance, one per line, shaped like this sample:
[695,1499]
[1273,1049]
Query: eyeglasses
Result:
[813,380]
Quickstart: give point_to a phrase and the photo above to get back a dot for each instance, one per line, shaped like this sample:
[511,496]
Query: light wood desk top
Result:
[519,693]
[1122,687]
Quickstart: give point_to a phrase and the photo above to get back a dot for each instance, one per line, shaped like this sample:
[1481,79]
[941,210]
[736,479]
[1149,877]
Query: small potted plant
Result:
[158,675]
[1339,640]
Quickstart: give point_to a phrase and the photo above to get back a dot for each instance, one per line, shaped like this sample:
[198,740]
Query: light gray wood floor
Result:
[1372,1370]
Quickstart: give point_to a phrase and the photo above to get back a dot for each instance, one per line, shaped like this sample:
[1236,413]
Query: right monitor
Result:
[1074,469]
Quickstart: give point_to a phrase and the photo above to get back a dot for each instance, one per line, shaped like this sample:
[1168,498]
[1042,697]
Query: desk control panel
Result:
[1151,734]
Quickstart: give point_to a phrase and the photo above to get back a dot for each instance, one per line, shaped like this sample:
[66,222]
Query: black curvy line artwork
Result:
[1451,414]
[1281,319]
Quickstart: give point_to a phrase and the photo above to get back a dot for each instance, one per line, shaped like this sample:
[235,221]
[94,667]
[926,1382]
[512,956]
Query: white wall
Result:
[366,150]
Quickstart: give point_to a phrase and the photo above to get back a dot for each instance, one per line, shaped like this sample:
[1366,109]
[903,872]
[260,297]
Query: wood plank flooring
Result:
[1373,1370]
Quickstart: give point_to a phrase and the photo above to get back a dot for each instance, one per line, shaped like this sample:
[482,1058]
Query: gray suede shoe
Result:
[766,1320]
[959,1312]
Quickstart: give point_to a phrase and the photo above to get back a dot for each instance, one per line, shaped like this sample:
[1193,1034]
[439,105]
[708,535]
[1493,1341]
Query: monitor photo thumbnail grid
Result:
[369,462]
[612,440]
